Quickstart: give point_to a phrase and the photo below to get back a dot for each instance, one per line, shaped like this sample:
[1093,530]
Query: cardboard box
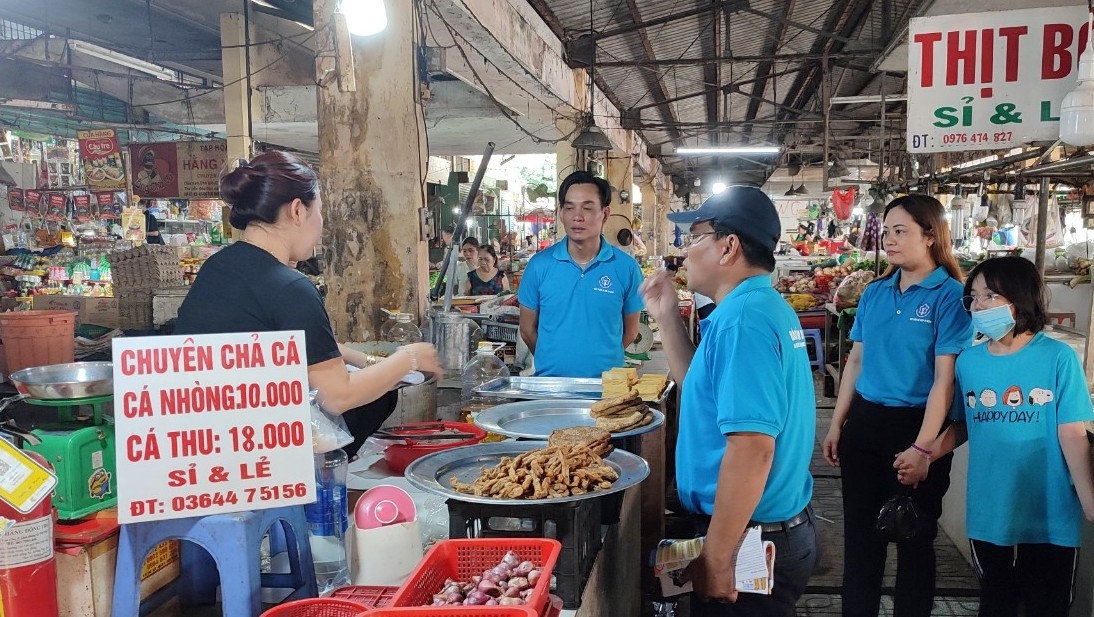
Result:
[91,311]
[85,576]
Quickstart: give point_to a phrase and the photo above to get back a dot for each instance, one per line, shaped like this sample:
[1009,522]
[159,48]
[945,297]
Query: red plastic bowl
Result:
[399,455]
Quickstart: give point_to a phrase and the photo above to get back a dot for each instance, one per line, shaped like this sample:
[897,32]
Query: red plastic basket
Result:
[365,595]
[464,558]
[317,607]
[554,608]
[456,611]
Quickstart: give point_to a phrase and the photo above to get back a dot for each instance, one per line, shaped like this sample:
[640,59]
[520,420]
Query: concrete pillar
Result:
[567,161]
[237,85]
[372,165]
[620,174]
[663,229]
[649,211]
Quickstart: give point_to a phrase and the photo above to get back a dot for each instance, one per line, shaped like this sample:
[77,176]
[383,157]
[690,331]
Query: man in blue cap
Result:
[747,410]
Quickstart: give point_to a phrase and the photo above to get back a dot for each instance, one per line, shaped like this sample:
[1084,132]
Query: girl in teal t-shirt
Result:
[1023,400]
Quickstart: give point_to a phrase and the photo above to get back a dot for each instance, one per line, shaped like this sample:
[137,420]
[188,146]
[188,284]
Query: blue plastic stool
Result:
[817,361]
[230,559]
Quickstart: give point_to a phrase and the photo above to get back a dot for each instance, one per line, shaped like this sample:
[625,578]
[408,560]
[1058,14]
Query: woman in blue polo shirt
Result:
[894,399]
[1024,401]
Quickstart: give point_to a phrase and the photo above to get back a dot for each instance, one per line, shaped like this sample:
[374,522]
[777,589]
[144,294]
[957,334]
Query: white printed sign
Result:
[990,81]
[211,424]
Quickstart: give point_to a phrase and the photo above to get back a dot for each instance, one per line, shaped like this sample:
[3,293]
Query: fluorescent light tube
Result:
[731,150]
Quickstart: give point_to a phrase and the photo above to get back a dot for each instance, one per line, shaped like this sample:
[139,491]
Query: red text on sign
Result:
[969,56]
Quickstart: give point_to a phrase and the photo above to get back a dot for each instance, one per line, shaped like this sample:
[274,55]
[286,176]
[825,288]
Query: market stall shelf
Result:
[434,473]
[537,419]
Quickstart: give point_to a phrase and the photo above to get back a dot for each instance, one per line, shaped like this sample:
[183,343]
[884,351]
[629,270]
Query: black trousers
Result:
[872,437]
[1040,577]
[365,420]
[795,558]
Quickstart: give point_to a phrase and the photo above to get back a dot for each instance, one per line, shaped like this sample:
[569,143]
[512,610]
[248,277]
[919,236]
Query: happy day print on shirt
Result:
[1013,398]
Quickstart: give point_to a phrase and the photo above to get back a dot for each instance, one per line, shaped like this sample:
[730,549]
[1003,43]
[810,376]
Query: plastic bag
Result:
[898,519]
[850,290]
[328,432]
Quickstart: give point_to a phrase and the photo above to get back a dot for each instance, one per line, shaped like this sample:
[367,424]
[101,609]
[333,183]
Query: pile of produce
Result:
[559,471]
[510,583]
[802,302]
[807,291]
[839,270]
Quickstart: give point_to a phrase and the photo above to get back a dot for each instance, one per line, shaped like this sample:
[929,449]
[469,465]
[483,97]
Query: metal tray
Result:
[536,419]
[553,388]
[65,381]
[432,472]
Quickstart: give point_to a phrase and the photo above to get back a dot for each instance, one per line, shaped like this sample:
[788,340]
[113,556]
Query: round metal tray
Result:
[433,473]
[65,381]
[536,419]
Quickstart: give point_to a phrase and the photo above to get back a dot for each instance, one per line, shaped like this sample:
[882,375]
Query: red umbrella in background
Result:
[537,215]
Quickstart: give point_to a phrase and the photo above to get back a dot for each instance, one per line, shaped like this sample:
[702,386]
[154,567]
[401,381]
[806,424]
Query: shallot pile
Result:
[511,582]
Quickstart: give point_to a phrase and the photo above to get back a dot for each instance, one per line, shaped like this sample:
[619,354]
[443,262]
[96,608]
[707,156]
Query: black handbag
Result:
[898,519]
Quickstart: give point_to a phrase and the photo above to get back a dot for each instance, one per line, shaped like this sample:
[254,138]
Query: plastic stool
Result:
[817,361]
[230,558]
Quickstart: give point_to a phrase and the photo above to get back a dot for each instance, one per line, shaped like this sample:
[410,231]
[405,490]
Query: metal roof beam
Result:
[660,93]
[865,53]
[735,88]
[764,69]
[785,21]
[713,6]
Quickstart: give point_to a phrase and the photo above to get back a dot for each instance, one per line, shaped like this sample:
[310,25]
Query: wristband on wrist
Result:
[922,451]
[413,357]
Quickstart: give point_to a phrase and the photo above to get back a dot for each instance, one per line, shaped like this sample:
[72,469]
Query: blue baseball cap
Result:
[747,210]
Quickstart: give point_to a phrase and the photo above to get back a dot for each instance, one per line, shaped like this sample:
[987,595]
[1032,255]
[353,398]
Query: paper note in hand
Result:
[755,564]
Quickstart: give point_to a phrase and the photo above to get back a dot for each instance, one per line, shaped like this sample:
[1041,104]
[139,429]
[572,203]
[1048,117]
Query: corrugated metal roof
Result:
[760,36]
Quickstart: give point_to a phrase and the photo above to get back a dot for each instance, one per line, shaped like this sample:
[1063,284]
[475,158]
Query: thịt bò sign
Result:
[989,81]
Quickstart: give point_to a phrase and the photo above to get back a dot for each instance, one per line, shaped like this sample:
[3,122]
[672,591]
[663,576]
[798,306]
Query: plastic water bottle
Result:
[484,366]
[400,328]
[328,520]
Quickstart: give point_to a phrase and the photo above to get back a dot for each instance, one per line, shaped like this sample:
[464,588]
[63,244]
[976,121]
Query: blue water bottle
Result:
[328,520]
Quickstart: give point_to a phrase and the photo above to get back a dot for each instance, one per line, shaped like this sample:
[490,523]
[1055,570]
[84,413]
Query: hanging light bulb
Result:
[1077,108]
[592,138]
[364,17]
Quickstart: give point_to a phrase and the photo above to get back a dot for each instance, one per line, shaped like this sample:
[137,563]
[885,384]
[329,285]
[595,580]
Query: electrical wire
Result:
[229,83]
[486,90]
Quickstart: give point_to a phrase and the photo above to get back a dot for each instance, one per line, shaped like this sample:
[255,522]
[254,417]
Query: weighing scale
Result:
[78,441]
[639,349]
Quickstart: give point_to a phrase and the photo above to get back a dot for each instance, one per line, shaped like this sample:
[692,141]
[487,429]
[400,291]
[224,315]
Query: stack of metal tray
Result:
[554,388]
[537,419]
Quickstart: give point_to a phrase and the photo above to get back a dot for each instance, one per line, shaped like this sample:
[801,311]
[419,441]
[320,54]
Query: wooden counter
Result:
[614,583]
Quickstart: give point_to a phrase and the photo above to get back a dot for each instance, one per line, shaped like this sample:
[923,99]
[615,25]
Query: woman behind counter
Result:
[250,287]
[487,279]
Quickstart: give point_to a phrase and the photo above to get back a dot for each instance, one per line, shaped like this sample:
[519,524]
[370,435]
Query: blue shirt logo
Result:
[605,282]
[923,310]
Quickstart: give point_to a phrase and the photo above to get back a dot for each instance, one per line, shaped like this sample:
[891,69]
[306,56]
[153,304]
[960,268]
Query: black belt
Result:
[703,521]
[786,525]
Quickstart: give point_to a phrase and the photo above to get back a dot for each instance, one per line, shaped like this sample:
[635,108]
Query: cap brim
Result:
[688,217]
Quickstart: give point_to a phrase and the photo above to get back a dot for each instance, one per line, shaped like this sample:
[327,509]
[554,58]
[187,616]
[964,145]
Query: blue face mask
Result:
[993,323]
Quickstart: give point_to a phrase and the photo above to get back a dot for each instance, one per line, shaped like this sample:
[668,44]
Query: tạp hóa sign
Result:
[988,81]
[177,169]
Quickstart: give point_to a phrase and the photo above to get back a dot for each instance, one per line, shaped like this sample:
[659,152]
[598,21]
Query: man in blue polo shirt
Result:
[747,412]
[579,299]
